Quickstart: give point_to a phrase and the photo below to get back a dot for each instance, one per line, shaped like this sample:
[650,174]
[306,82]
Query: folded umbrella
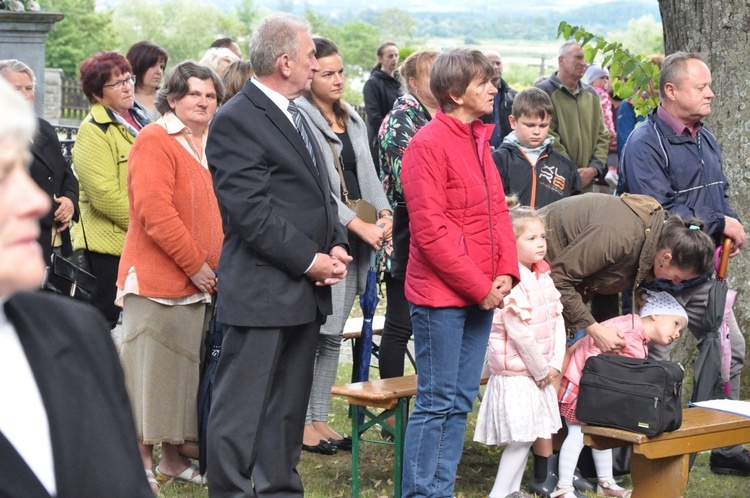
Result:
[213,340]
[707,378]
[368,301]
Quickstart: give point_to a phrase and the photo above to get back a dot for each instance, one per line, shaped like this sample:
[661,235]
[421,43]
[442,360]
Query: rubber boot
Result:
[582,484]
[544,480]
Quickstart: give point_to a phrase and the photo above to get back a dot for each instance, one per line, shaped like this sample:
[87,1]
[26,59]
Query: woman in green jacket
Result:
[100,159]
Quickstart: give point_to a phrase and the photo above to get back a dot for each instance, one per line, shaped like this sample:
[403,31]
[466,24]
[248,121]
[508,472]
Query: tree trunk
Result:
[720,31]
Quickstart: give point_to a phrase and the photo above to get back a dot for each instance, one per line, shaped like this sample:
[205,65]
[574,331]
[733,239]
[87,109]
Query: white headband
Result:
[662,303]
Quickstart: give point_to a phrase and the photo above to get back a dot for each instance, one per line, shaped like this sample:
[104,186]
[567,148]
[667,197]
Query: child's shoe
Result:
[544,479]
[611,488]
[581,483]
[566,492]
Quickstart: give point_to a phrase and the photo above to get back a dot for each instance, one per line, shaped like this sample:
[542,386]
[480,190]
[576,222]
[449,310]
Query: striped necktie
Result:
[304,132]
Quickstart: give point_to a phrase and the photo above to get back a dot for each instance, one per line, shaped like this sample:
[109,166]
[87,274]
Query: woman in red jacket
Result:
[462,262]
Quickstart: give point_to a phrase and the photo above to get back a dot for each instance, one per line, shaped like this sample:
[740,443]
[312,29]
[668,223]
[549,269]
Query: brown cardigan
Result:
[175,225]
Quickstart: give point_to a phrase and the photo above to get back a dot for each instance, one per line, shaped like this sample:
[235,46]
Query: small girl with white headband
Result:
[661,320]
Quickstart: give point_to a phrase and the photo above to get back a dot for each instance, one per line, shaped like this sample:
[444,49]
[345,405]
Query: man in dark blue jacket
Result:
[675,159]
[503,103]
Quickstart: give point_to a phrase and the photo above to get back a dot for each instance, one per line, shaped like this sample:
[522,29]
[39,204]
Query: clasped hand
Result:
[501,287]
[329,269]
[549,379]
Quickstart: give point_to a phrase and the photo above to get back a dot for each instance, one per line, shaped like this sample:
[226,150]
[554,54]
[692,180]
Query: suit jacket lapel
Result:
[16,478]
[53,361]
[282,123]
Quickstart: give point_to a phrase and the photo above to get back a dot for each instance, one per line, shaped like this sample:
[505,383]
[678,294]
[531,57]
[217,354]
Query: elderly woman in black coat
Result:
[49,169]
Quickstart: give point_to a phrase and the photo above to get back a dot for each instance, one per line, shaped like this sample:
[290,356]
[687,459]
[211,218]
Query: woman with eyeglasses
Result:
[100,159]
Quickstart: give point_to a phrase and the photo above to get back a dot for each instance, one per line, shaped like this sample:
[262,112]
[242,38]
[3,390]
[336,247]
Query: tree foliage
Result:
[81,33]
[395,25]
[642,36]
[632,75]
[184,29]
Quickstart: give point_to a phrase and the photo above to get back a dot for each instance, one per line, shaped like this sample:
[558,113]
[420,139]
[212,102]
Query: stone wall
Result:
[22,37]
[52,94]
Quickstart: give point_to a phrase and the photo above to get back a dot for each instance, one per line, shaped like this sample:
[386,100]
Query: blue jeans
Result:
[450,344]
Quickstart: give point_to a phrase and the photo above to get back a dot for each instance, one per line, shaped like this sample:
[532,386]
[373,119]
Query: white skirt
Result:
[514,409]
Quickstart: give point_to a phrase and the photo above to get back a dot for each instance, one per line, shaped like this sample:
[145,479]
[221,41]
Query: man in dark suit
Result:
[66,426]
[283,248]
[49,169]
[90,423]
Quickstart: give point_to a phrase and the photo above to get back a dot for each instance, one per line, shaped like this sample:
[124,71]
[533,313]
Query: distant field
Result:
[521,58]
[512,50]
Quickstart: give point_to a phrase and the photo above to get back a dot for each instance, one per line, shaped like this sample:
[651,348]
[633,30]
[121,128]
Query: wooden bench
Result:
[659,465]
[353,326]
[353,331]
[392,396]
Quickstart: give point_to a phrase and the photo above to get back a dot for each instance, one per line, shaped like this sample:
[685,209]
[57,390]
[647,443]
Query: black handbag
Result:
[639,395]
[63,276]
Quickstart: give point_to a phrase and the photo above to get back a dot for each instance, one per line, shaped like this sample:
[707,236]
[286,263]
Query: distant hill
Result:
[596,15]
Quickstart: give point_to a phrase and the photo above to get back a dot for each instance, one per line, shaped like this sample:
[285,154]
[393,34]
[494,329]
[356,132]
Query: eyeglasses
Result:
[118,84]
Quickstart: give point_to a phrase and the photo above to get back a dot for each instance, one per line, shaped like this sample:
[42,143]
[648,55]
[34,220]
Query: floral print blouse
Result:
[398,128]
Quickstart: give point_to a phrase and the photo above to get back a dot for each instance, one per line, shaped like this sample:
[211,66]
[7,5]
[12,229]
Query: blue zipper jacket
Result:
[684,174]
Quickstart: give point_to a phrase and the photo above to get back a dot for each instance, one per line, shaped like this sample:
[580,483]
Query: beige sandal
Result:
[151,478]
[606,488]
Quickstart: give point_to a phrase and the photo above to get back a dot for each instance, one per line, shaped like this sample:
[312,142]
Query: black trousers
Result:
[258,406]
[396,331]
[104,267]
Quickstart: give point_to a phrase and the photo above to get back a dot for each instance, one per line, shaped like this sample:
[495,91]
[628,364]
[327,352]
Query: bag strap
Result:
[85,241]
[341,172]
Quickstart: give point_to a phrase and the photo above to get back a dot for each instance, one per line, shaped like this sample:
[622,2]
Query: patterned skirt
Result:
[568,397]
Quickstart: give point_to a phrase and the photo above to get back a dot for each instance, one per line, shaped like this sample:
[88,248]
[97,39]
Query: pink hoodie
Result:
[635,345]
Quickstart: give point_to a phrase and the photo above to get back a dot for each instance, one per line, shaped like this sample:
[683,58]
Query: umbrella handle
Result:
[724,262]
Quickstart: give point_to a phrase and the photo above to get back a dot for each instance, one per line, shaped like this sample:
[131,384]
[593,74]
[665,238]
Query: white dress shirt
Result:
[23,418]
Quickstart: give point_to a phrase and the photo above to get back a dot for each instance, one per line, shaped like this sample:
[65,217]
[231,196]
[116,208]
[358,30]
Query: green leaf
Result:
[589,53]
[615,70]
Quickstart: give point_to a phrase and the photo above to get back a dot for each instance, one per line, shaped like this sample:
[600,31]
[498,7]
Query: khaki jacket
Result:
[600,244]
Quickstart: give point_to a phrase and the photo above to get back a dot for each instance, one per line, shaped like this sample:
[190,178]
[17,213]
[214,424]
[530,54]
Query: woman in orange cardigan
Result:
[166,274]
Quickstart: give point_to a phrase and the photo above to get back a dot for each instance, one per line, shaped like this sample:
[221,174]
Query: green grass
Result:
[330,476]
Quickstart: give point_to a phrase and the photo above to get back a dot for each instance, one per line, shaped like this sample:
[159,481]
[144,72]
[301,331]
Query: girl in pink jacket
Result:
[661,320]
[526,349]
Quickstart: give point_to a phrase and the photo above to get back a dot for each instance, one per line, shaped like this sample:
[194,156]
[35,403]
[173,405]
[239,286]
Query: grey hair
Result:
[277,34]
[176,84]
[565,47]
[673,70]
[21,124]
[16,66]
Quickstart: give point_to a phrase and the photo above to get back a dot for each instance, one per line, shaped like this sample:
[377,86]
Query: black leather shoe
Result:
[343,444]
[737,465]
[322,448]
